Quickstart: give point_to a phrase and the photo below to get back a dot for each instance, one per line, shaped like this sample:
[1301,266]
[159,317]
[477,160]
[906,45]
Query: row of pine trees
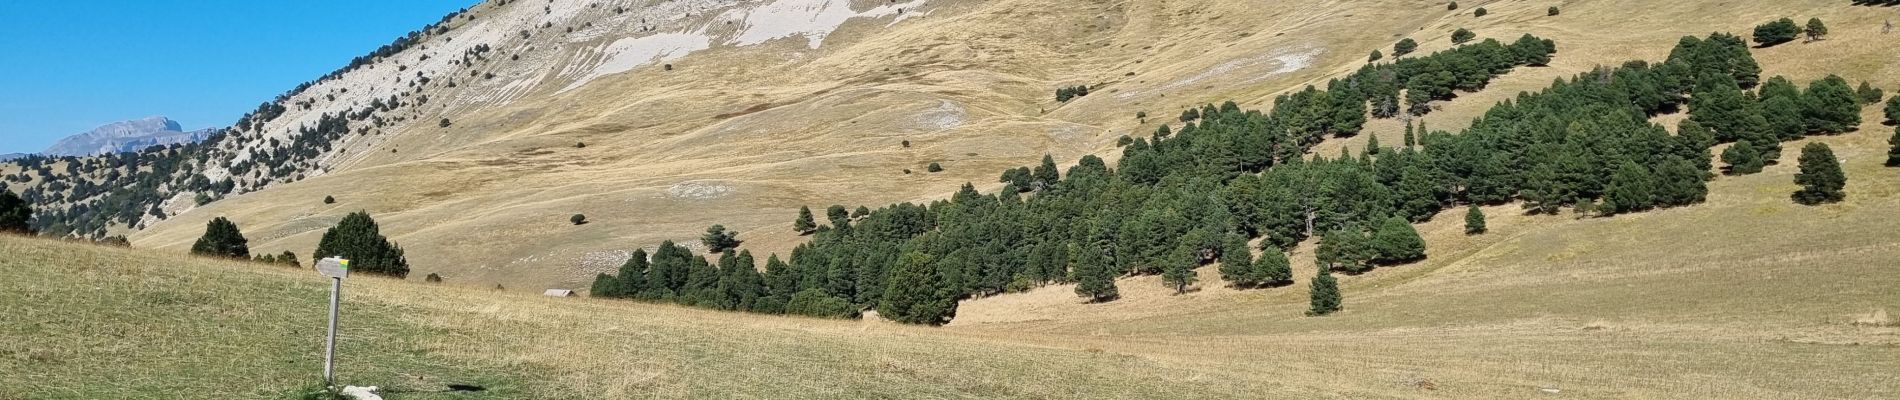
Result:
[1239,188]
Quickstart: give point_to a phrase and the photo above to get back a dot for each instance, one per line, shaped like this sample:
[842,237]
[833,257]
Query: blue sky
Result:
[69,66]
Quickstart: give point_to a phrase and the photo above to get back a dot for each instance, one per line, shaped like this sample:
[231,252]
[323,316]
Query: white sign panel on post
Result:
[335,268]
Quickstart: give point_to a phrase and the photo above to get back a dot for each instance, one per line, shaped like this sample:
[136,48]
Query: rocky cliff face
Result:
[125,136]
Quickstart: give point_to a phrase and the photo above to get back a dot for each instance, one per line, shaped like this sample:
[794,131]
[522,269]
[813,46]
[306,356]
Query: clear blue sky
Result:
[69,66]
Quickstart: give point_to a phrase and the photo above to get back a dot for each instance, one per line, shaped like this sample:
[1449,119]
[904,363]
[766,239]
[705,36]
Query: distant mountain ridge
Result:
[126,136]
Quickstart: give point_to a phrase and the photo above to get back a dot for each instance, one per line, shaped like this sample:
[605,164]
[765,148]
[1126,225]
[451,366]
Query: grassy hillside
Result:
[1746,296]
[742,136]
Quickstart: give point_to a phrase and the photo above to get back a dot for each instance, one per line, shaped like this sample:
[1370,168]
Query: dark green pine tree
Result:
[1272,268]
[1893,149]
[1742,158]
[806,223]
[1869,94]
[358,239]
[1462,35]
[1324,295]
[1397,242]
[632,276]
[1697,140]
[839,217]
[605,286]
[1820,178]
[1680,183]
[1404,46]
[1045,174]
[1830,106]
[717,239]
[1375,56]
[1094,276]
[1345,249]
[920,297]
[1893,110]
[1236,262]
[16,215]
[1720,105]
[1177,270]
[1474,220]
[1816,30]
[1631,189]
[222,239]
[1785,117]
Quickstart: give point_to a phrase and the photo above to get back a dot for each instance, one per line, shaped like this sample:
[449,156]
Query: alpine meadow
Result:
[1143,199]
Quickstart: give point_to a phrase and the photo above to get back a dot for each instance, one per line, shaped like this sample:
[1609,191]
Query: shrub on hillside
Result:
[1777,32]
[358,239]
[222,239]
[15,214]
[934,167]
[1404,46]
[577,219]
[1462,36]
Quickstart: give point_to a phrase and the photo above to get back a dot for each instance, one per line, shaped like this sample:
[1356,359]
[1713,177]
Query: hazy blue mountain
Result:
[125,136]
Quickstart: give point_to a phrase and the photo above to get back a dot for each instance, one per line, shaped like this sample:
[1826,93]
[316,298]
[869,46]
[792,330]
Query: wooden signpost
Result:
[336,269]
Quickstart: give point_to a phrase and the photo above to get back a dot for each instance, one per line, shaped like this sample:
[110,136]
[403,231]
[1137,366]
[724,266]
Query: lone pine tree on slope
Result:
[1820,178]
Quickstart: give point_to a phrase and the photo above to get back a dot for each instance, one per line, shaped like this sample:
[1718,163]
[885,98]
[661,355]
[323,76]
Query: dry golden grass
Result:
[1746,296]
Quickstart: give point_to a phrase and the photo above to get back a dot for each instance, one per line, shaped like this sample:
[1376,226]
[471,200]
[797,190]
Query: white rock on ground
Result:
[361,392]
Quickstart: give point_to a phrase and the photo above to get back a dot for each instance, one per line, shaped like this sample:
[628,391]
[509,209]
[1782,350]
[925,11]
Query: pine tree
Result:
[717,239]
[289,258]
[222,239]
[1474,220]
[1631,189]
[1272,268]
[1178,268]
[1480,12]
[1721,106]
[1893,151]
[1452,6]
[1094,277]
[1893,110]
[1345,249]
[1236,262]
[1830,106]
[1697,140]
[1679,183]
[1820,178]
[1404,46]
[1742,158]
[1784,116]
[605,286]
[358,239]
[1553,11]
[1045,174]
[16,215]
[329,200]
[1375,56]
[1397,241]
[1816,30]
[632,276]
[921,297]
[1778,32]
[806,223]
[1462,36]
[1324,294]
[1869,94]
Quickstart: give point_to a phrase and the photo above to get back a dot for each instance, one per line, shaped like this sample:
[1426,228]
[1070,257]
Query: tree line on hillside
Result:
[1200,194]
